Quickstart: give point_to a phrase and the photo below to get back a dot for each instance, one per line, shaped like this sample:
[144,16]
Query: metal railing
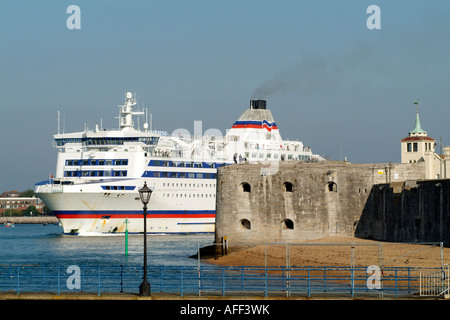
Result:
[434,283]
[50,188]
[214,280]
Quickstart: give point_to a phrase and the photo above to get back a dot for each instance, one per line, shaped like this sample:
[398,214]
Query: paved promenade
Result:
[169,297]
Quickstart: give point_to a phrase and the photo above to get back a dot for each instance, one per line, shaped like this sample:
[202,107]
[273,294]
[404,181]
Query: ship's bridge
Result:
[106,138]
[103,140]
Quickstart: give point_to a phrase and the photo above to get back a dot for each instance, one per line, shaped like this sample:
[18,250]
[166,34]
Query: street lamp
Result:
[145,194]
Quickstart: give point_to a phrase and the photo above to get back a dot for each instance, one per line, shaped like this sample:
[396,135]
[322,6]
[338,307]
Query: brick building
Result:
[12,200]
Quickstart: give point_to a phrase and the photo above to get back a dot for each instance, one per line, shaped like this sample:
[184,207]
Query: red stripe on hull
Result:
[254,126]
[131,216]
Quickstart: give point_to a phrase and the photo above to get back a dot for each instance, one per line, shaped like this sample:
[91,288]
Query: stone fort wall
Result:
[409,211]
[304,201]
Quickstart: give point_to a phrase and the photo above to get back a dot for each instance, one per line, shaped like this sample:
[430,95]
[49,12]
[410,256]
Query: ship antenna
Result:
[59,116]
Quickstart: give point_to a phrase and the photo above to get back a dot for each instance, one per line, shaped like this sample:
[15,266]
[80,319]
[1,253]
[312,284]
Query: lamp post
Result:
[145,194]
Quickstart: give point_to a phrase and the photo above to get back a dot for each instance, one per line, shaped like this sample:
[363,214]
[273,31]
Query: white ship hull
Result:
[99,173]
[81,210]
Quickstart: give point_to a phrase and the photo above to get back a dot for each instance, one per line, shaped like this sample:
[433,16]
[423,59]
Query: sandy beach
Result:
[336,251]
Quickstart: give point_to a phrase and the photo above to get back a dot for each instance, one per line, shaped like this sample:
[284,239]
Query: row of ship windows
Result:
[152,163]
[97,162]
[189,175]
[184,164]
[92,173]
[199,185]
[118,187]
[107,141]
[147,174]
[185,195]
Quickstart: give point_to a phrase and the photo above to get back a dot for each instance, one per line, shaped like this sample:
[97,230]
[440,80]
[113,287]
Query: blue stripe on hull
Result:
[114,214]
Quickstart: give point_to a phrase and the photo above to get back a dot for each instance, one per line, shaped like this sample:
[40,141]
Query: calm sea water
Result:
[35,244]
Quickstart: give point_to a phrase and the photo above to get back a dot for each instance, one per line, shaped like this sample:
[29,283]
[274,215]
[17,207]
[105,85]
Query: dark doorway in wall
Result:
[288,224]
[288,187]
[332,186]
[246,224]
[246,187]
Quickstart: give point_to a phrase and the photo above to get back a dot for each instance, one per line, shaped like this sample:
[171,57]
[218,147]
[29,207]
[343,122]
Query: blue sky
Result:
[329,81]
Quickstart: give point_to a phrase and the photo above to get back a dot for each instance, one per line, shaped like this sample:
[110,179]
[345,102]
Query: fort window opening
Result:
[246,224]
[288,224]
[332,186]
[288,187]
[246,187]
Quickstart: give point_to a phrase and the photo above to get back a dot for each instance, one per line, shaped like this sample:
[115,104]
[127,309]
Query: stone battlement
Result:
[304,201]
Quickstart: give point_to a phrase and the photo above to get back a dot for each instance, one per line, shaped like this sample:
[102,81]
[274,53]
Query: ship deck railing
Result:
[276,281]
[49,188]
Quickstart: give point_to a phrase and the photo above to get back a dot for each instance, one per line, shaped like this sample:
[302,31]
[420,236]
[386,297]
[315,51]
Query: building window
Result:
[408,147]
[415,147]
[288,187]
[246,187]
[288,224]
[332,186]
[246,224]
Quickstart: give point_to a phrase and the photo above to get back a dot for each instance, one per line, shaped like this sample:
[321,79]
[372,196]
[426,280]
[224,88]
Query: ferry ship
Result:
[99,172]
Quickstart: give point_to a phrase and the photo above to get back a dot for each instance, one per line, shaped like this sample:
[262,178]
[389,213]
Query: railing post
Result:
[265,281]
[351,282]
[181,275]
[421,282]
[395,282]
[287,281]
[121,278]
[162,279]
[98,280]
[309,283]
[10,277]
[200,277]
[242,278]
[409,280]
[58,280]
[42,275]
[18,279]
[223,282]
[447,283]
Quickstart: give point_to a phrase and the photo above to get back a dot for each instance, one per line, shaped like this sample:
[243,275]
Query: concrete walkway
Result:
[168,296]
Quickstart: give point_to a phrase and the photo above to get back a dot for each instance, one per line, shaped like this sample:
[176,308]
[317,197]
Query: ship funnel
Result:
[257,104]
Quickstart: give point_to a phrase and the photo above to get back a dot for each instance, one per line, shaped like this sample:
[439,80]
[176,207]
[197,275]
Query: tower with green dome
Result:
[419,147]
